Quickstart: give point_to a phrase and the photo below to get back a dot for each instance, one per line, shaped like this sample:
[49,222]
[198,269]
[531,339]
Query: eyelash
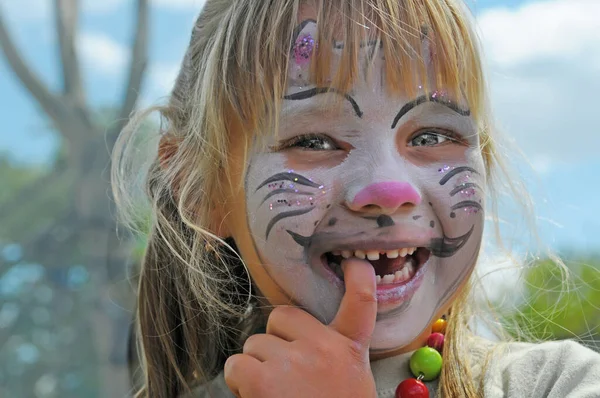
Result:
[293,142]
[450,135]
[298,139]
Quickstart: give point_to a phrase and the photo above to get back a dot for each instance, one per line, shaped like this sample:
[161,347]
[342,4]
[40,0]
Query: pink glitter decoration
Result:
[444,169]
[303,49]
[438,93]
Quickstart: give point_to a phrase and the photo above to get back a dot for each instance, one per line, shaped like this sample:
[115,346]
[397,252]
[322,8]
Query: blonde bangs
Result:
[419,38]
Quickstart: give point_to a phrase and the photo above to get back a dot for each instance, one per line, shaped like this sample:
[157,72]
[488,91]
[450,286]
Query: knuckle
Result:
[356,352]
[250,342]
[232,366]
[324,349]
[259,385]
[280,314]
[366,297]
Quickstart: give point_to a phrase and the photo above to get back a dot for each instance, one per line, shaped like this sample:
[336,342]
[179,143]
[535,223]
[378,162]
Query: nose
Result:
[385,197]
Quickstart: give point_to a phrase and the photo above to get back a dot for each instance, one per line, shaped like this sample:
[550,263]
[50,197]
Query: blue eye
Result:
[430,138]
[312,142]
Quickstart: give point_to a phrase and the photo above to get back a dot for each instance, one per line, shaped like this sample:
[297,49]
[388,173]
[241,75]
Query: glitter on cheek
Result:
[468,193]
[303,49]
[444,169]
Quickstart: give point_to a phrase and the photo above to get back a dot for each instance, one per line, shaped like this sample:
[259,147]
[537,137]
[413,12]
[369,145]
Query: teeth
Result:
[398,276]
[405,274]
[378,278]
[388,279]
[392,254]
[373,255]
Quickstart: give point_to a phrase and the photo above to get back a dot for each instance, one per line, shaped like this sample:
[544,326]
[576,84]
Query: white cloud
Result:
[102,53]
[541,31]
[543,62]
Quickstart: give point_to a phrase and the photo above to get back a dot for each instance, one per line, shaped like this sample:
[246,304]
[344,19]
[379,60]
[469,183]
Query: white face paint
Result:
[383,176]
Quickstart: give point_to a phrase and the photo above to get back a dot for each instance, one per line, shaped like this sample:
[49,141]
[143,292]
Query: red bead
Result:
[436,340]
[412,388]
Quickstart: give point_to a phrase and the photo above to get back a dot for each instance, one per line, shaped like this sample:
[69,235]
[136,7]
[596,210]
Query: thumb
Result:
[356,316]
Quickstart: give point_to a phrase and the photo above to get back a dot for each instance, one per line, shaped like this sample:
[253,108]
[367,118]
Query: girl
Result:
[317,201]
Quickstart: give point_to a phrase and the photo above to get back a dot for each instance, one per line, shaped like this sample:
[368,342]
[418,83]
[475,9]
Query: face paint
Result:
[397,180]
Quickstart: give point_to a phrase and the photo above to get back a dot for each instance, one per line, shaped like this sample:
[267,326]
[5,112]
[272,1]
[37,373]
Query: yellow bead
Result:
[439,326]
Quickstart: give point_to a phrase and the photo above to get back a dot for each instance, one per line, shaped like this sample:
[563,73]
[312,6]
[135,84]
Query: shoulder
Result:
[216,388]
[551,369]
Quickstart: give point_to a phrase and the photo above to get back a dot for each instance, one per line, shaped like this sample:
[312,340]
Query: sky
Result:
[542,60]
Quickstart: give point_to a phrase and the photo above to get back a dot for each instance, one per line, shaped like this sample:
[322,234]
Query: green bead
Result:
[426,361]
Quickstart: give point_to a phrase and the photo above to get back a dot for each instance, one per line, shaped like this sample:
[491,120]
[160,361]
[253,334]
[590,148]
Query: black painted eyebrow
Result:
[429,98]
[322,90]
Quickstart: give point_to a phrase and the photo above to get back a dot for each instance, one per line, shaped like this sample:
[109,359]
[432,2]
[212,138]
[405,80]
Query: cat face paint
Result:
[398,180]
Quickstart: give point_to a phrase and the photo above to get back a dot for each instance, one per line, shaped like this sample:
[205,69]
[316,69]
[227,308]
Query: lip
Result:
[389,296]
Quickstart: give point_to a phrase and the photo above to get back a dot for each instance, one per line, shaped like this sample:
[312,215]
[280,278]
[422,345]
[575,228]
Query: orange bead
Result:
[439,326]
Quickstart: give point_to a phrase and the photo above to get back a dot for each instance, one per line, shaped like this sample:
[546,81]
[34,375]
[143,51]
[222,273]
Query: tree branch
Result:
[139,61]
[49,102]
[67,18]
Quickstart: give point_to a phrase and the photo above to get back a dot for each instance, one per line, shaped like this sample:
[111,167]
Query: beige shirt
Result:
[515,370]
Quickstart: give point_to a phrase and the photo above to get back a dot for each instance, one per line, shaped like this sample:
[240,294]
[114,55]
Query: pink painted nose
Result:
[387,196]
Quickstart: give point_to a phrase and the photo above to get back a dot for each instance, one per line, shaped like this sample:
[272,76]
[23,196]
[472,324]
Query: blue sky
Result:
[542,57]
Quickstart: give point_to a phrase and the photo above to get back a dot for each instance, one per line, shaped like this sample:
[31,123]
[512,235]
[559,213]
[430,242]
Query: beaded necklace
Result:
[425,364]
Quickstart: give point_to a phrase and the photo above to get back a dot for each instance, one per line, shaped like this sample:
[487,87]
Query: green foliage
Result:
[559,304]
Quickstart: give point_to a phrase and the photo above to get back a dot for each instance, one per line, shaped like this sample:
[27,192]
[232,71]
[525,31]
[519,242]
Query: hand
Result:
[301,357]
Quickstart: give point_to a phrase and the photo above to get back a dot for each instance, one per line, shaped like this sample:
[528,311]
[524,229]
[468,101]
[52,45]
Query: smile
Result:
[392,267]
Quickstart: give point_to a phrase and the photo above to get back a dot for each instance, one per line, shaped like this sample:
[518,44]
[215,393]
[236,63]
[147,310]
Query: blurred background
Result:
[72,70]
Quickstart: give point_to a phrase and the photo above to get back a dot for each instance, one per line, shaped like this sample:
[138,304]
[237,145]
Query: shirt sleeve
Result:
[548,370]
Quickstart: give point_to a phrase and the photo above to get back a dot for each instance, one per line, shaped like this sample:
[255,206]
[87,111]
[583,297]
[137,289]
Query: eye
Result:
[431,138]
[311,142]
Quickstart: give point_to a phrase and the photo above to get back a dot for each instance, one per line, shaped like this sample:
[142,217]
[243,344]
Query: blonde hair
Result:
[195,307]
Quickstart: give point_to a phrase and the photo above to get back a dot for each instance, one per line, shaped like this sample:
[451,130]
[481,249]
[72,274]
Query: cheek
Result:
[282,202]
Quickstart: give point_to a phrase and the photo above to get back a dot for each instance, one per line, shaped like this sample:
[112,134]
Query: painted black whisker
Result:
[456,171]
[447,247]
[284,190]
[462,187]
[467,203]
[303,241]
[297,178]
[287,214]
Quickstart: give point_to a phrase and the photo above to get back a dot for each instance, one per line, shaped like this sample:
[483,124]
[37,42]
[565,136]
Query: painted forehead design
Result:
[302,50]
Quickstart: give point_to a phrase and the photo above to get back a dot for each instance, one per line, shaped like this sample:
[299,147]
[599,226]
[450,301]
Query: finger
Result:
[265,346]
[292,323]
[241,372]
[356,316]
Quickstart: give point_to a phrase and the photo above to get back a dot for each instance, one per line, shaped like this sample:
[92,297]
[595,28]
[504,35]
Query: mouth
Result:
[392,267]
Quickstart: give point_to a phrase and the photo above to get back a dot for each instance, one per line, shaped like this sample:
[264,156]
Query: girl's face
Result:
[397,180]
